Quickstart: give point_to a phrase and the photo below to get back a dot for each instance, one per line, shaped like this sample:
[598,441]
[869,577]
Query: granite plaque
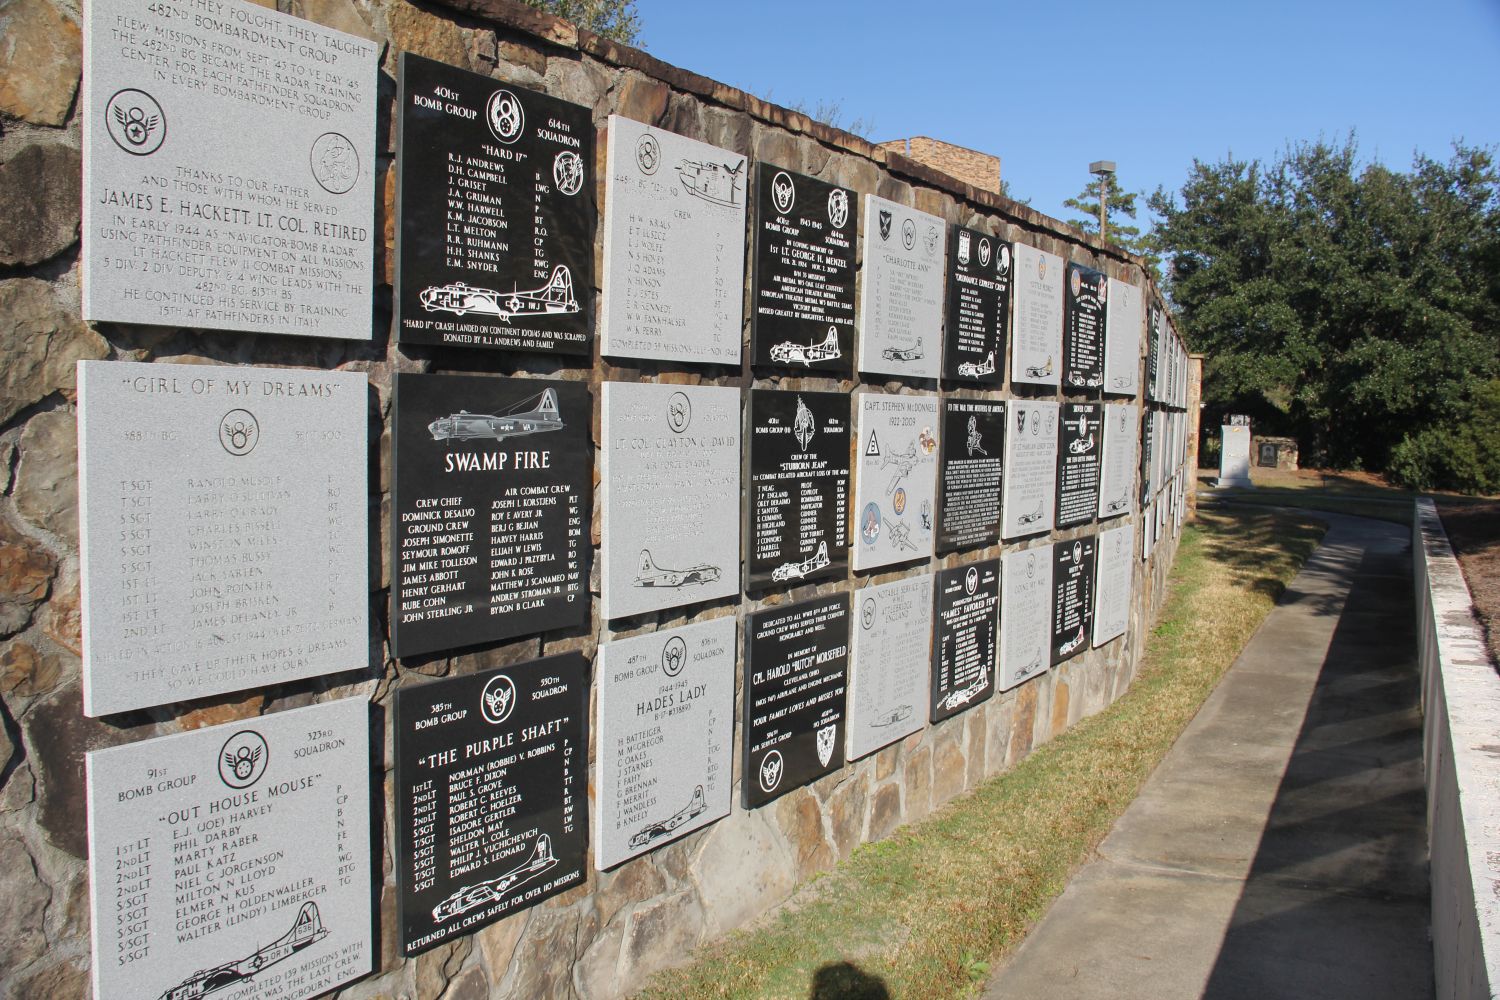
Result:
[901,291]
[234,861]
[670,488]
[496,206]
[798,503]
[1148,458]
[490,512]
[229,169]
[1078,451]
[803,295]
[674,247]
[896,442]
[1083,339]
[1153,354]
[966,621]
[1029,489]
[1159,451]
[796,672]
[973,450]
[1148,531]
[1072,597]
[1116,563]
[1037,334]
[665,737]
[978,308]
[1026,614]
[888,694]
[222,529]
[491,795]
[1117,466]
[1123,321]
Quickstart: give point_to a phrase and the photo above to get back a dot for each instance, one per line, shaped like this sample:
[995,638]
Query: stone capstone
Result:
[41,57]
[39,339]
[40,195]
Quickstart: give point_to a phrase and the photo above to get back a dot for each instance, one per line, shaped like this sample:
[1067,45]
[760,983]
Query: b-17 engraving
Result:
[1082,446]
[963,696]
[1040,371]
[895,715]
[1117,504]
[463,425]
[1071,644]
[789,353]
[715,182]
[798,570]
[552,299]
[912,353]
[696,805]
[1032,517]
[976,369]
[307,929]
[1036,661]
[651,575]
[494,890]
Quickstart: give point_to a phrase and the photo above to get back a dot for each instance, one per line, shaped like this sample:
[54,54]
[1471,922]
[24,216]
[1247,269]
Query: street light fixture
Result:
[1103,169]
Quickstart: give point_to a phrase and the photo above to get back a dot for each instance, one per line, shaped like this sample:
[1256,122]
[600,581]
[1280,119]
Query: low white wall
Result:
[1461,748]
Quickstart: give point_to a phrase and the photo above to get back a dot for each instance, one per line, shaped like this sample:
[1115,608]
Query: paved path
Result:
[1280,849]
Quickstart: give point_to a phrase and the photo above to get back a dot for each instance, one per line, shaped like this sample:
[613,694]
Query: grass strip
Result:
[923,913]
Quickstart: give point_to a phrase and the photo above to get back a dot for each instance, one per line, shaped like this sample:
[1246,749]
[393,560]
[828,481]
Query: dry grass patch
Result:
[923,913]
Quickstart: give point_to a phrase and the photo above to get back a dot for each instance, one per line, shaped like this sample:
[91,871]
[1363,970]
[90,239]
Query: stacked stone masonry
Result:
[605,937]
[969,165]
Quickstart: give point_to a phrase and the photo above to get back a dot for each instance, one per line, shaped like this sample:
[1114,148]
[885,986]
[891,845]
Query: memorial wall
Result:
[485,511]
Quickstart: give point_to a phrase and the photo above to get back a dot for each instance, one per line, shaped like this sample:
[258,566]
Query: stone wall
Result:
[603,937]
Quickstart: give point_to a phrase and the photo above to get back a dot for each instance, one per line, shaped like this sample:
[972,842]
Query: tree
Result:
[1121,203]
[615,19]
[1352,305]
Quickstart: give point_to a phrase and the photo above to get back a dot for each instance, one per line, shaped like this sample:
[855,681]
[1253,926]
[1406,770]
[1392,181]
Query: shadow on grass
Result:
[846,981]
[1239,539]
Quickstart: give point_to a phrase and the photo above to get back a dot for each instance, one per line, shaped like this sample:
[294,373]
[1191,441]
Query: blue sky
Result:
[1050,87]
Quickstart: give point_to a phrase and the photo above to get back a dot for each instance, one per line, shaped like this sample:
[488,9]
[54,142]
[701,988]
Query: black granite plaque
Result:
[796,673]
[1153,352]
[966,628]
[490,511]
[803,293]
[491,795]
[1083,329]
[1072,597]
[1078,449]
[972,455]
[799,487]
[1148,443]
[977,311]
[495,202]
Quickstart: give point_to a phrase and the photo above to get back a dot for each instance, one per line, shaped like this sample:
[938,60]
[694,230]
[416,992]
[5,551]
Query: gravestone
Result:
[491,795]
[896,442]
[229,170]
[796,673]
[803,292]
[664,737]
[1116,565]
[670,489]
[1234,455]
[1072,597]
[978,308]
[969,471]
[1078,449]
[490,510]
[799,487]
[888,690]
[1037,333]
[1026,621]
[1117,466]
[966,620]
[674,247]
[495,207]
[1029,490]
[901,291]
[1123,321]
[1083,340]
[222,529]
[234,858]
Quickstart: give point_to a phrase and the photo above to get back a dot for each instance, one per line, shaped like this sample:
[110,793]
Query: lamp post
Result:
[1103,169]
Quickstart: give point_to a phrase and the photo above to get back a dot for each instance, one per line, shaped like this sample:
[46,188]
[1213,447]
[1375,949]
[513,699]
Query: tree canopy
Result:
[1354,306]
[1121,205]
[616,19]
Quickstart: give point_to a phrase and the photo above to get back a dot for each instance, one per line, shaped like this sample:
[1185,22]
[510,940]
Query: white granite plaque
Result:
[1037,333]
[901,290]
[229,169]
[895,486]
[1025,614]
[234,861]
[222,529]
[674,247]
[670,489]
[664,737]
[888,685]
[1113,568]
[1118,463]
[1029,489]
[1123,322]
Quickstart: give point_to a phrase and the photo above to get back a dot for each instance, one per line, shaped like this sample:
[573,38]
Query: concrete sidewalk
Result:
[1280,850]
